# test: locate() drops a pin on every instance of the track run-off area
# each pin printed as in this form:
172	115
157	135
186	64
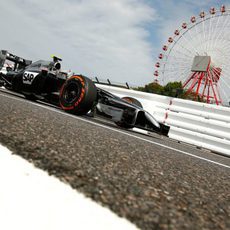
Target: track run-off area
153	181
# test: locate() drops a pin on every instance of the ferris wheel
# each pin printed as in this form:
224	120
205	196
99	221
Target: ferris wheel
198	55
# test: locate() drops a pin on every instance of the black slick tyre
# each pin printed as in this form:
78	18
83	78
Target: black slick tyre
78	95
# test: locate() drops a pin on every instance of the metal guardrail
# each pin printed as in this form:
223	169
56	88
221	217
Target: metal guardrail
96	80
203	125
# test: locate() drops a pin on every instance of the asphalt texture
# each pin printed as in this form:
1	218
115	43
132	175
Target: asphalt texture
152	186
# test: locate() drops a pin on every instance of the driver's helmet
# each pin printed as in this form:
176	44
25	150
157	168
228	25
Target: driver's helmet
56	58
56	61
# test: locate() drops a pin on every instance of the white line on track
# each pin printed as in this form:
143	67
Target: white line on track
32	199
119	131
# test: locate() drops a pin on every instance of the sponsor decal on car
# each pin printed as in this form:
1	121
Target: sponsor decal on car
28	77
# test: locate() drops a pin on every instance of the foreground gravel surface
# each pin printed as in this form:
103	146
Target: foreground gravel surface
153	187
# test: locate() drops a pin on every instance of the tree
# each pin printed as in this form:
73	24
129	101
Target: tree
152	87
172	89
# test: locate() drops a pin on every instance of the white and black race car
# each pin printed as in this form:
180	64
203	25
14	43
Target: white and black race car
76	94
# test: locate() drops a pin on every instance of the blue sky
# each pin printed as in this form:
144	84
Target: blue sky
116	39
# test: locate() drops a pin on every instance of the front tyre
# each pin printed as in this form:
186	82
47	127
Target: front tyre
78	95
132	101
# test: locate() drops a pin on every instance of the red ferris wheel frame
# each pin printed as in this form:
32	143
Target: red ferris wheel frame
201	83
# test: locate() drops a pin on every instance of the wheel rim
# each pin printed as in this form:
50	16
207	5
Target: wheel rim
71	93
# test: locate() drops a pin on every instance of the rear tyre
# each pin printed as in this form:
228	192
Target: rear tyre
78	95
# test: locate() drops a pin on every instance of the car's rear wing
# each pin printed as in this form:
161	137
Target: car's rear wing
10	61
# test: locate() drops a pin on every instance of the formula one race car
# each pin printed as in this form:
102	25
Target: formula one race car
77	94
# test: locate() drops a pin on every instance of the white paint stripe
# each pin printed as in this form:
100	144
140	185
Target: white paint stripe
125	133
31	199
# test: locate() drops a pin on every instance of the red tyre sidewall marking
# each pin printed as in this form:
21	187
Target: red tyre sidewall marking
81	96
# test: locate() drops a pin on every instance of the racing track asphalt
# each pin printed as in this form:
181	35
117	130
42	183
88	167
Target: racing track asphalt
153	181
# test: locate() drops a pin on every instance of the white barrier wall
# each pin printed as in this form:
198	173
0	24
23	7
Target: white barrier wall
204	125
